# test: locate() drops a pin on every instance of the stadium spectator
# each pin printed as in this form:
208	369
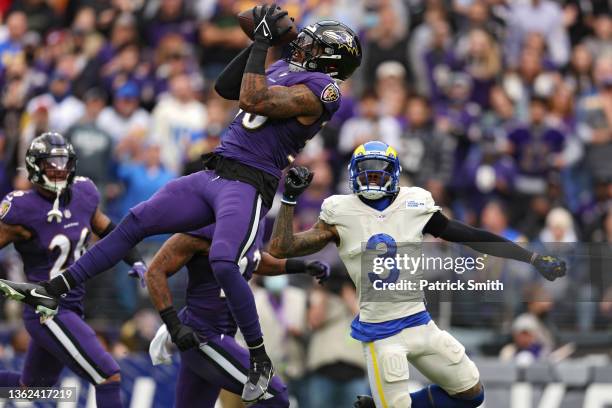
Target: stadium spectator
93	146
579	75
439	61
41	17
595	122
282	308
391	88
124	31
541	16
526	346
386	25
601	42
482	62
221	39
125	66
142	174
367	125
421	40
178	120
217	117
64	108
174	57
535	147
17	26
426	153
171	16
494	219
125	117
334	359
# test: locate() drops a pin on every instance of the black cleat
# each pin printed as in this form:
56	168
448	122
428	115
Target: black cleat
258	379
30	294
364	401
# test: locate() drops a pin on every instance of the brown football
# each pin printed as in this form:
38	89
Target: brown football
245	19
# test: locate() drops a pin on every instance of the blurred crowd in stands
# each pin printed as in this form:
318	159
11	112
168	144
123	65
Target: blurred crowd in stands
501	108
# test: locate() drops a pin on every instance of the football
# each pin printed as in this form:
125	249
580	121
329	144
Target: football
245	19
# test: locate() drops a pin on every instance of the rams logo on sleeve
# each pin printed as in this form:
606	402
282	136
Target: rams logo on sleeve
330	93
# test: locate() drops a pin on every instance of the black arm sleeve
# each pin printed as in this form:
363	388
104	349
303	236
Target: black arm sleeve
480	240
133	256
228	82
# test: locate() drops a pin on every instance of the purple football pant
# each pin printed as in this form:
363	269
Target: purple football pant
186	204
219	363
66	340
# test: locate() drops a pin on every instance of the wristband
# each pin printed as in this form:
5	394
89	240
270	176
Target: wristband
256	64
170	318
293	266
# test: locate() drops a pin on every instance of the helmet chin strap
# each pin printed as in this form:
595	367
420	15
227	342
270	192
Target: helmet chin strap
55	212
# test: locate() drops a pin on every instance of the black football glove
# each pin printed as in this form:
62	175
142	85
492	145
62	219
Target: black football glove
550	267
264	23
319	270
296	181
183	336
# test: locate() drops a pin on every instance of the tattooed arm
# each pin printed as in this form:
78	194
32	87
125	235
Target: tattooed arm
284	243
278	101
171	257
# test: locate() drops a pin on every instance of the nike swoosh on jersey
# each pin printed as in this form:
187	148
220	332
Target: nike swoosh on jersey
38	295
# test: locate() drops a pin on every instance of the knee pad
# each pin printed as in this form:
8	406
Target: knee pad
401	400
394	366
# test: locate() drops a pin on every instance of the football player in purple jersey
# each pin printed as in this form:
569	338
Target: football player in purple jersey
281	109
50	226
204	331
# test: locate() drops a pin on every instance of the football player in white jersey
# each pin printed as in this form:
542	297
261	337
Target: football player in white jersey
395	333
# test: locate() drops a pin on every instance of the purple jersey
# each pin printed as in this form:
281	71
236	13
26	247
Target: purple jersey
533	147
53	246
206	308
266	143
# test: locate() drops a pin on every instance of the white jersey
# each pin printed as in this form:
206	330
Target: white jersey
359	226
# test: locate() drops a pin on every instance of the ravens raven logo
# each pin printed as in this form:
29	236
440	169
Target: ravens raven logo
331	93
342	38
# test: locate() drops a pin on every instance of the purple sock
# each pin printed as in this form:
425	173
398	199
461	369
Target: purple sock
239	298
108	395
107	252
10	379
